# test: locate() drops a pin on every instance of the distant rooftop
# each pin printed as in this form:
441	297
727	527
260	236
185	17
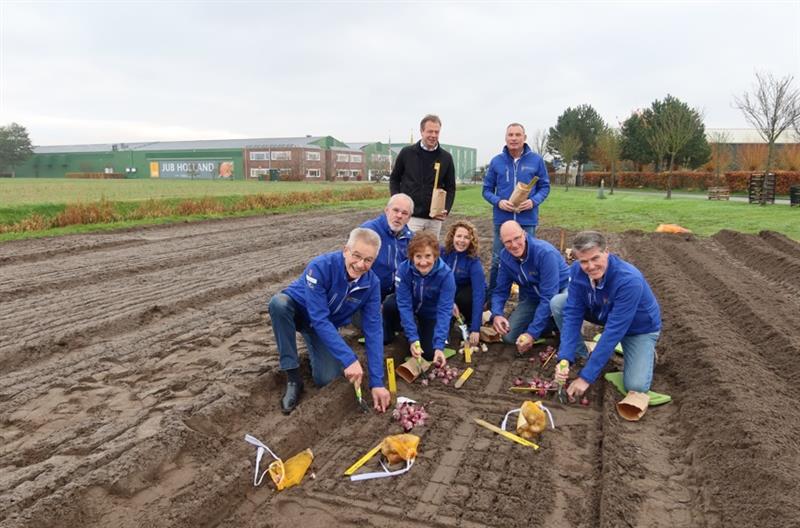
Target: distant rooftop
749	135
203	144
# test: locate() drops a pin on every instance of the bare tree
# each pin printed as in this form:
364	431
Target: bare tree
539	141
721	155
773	107
670	127
568	147
609	142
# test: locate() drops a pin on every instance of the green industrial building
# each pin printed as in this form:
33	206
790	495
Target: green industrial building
228	159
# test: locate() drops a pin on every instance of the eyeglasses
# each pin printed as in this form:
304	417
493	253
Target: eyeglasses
359	258
515	240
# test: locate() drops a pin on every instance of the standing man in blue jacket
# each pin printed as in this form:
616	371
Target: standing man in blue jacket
332	288
392	227
541	273
414	173
517	163
606	290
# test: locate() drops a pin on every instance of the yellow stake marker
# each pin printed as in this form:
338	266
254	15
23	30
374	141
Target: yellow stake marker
467	373
363	460
467	353
392	379
506	434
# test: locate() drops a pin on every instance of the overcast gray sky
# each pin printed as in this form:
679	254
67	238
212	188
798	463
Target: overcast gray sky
97	72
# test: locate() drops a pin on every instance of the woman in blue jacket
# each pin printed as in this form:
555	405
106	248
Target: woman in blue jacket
461	254
425	290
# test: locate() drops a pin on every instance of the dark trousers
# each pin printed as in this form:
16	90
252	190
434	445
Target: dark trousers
464	302
392	324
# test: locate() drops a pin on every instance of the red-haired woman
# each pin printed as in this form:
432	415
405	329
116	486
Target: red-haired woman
423	301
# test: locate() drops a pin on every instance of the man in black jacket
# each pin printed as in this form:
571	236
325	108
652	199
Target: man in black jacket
414	173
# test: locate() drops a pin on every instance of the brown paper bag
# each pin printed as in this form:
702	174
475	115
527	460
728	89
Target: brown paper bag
437	202
521	192
412	369
633	406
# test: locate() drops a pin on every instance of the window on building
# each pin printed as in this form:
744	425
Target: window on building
255	173
312	173
312	156
258	156
380	158
286	172
355	158
355	173
343	174
281	155
342	158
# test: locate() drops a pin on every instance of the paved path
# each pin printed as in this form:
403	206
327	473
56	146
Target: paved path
696	196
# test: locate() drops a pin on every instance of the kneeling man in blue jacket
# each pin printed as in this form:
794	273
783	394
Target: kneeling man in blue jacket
332	288
541	273
606	290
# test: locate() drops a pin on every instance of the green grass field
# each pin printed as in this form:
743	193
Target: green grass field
573	209
37	191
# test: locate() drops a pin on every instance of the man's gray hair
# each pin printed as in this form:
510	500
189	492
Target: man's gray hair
586	240
433	118
516	124
400	195
367	236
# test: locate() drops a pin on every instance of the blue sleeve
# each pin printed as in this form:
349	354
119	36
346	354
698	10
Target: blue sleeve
549	279
572	321
626	299
372	325
402	289
444	311
478	282
502	290
489	184
319	316
542	187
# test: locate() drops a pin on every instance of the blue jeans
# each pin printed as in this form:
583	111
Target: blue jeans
520	318
497	247
287	320
638	351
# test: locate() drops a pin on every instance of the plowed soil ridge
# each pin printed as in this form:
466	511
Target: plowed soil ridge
729	348
132	364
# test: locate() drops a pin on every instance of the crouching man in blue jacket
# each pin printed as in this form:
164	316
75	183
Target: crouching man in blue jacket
606	290
392	227
332	288
541	273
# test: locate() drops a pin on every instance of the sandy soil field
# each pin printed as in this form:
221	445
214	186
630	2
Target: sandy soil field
133	363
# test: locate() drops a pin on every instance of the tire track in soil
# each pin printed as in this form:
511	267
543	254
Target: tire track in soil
133	300
43	249
12	395
781	243
735	424
775	265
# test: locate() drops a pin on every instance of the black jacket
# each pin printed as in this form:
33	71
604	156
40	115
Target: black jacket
410	177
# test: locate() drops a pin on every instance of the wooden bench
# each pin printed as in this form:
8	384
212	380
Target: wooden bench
719	193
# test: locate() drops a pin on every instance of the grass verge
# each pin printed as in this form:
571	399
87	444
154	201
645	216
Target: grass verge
575	209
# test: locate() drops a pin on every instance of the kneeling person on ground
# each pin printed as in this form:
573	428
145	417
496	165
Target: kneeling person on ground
461	253
606	290
541	273
332	288
423	300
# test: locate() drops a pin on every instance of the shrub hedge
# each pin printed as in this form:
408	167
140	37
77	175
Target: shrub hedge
689	180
